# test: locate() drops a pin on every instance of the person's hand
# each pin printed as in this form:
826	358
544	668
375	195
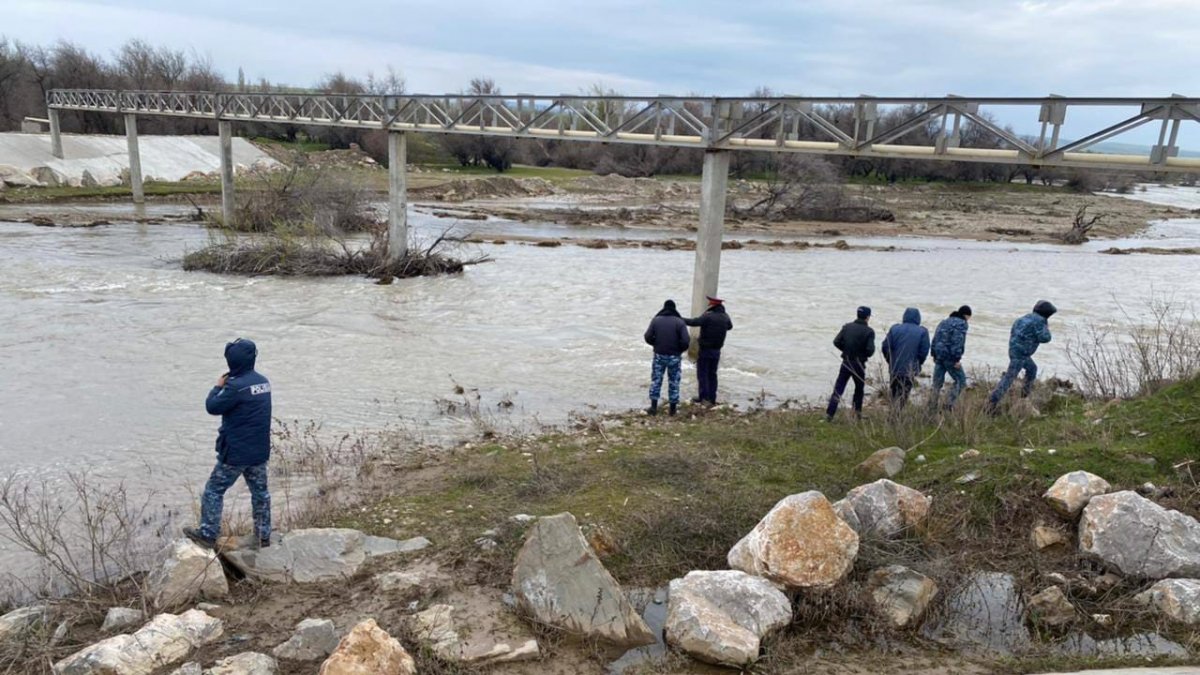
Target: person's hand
957	365
221	380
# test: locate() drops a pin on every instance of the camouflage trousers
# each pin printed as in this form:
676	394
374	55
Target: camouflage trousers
212	503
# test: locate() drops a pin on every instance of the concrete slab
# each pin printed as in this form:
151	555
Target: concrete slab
105	158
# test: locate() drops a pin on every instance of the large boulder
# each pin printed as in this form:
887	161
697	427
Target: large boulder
558	581
479	640
985	615
313	639
722	617
883	463
800	543
368	650
14	177
246	663
20	621
183	572
119	619
1139	538
167	639
1177	599
883	509
316	555
900	594
1072	491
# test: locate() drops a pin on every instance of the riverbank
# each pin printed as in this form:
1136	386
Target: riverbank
658	497
983	212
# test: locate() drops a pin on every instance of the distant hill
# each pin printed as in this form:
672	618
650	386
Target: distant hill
1134	149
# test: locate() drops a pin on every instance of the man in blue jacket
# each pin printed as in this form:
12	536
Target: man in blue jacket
1028	333
949	345
905	348
668	334
242	398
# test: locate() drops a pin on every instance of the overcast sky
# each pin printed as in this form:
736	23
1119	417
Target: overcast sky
812	47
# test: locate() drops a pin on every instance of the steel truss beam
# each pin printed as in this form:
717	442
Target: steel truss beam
867	127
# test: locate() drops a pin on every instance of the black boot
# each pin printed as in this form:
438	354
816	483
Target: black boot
674	407
653	409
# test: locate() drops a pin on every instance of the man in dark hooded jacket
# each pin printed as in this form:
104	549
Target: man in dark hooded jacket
714	323
242	397
856	342
1028	333
668	334
949	345
905	349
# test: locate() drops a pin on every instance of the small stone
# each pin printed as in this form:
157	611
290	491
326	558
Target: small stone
118	619
523	518
1103	619
1044	537
883	463
207	606
20	621
420	580
1056	578
465	642
1028	451
246	663
920	459
969	454
1072	491
969	477
901	594
1107	582
189	668
313	639
368	650
1051	608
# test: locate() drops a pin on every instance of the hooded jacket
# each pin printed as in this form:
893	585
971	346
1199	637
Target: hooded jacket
1030	331
856	341
714	323
244	404
950	340
668	333
906	345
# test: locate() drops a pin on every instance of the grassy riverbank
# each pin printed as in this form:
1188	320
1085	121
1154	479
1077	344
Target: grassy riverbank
660	496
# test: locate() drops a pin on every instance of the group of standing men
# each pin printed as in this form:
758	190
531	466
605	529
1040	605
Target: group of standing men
906	347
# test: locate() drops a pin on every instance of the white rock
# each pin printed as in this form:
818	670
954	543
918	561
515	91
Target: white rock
166	640
883	509
20	621
721	617
1139	538
900	594
368	650
558	581
305	556
419	580
1177	599
119	619
189	668
800	543
458	642
313	639
382	546
1072	491
184	571
246	663
1051	608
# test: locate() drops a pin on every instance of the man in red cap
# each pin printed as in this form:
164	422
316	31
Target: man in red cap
714	323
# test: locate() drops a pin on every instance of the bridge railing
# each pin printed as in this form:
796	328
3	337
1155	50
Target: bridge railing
939	128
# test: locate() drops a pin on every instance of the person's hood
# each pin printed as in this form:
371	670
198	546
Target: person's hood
668	309
912	315
1045	309
240	355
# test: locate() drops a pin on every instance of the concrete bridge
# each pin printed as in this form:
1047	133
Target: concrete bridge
865	127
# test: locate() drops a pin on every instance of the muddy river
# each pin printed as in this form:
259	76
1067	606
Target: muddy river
108	348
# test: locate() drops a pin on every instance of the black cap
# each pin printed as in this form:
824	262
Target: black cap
965	310
670	304
864	312
1045	308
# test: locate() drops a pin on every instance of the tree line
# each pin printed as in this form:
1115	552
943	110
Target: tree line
28	71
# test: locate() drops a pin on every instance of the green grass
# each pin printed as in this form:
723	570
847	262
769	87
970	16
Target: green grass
152	189
550	173
296	146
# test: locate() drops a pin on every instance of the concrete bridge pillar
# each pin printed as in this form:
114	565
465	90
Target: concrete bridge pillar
397	196
225	130
713	186
135	159
55	134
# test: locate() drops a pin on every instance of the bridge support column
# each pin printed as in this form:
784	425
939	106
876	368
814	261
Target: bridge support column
135	159
397	196
713	186
55	134
225	130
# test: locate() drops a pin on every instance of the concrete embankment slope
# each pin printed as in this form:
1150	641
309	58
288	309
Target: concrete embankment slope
1178	670
25	159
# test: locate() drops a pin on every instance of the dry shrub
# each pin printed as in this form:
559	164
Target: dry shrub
301	194
1137	358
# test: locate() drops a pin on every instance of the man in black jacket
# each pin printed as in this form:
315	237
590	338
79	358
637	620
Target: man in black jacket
714	323
856	342
668	335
